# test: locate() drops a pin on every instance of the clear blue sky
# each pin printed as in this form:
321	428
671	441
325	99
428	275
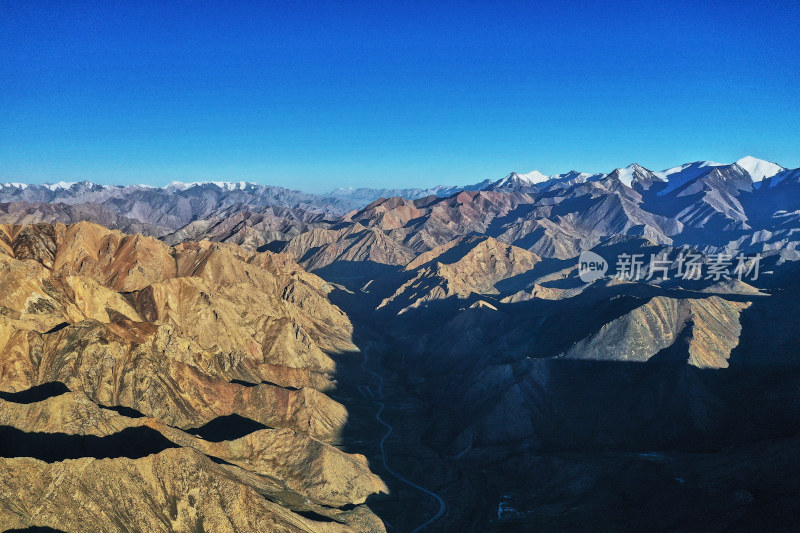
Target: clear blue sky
317	95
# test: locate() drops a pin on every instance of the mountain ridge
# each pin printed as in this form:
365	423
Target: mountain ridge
349	198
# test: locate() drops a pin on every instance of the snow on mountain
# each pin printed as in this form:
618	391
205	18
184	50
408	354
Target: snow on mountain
224	185
680	175
626	175
59	185
629	174
676	177
178	185
780	177
758	168
517	182
635	174
516	179
573	177
533	177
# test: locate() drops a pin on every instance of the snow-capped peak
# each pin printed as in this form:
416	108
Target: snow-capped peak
59	185
692	169
533	177
515	178
515	181
682	174
224	185
628	174
574	174
758	168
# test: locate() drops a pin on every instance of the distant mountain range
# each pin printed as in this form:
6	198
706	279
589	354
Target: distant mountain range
344	199
750	204
536	181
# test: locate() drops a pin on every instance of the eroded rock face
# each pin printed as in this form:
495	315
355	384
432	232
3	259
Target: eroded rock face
711	327
249	226
465	266
175	490
320	248
294	460
183	337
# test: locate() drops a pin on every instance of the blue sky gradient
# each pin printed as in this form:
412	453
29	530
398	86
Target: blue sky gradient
316	95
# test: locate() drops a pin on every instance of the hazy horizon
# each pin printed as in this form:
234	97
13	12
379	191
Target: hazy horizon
463	183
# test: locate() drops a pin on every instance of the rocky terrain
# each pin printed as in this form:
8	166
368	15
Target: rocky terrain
234	357
179	388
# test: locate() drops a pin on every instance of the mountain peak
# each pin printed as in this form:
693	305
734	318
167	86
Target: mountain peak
516	181
627	175
59	185
683	174
534	177
531	178
224	185
759	168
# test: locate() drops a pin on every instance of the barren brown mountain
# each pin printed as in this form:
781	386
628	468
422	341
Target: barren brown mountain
156	343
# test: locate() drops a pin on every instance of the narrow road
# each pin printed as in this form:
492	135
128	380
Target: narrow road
379	396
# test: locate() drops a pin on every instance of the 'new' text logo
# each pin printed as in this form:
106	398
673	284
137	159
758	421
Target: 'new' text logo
591	267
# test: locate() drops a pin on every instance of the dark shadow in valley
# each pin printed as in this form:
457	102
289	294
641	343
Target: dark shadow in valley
57	328
316	517
37	393
230	427
132	443
354	274
771	325
130	412
404	507
252	384
273	246
570	444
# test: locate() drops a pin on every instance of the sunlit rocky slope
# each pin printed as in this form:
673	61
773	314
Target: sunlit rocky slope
196	379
